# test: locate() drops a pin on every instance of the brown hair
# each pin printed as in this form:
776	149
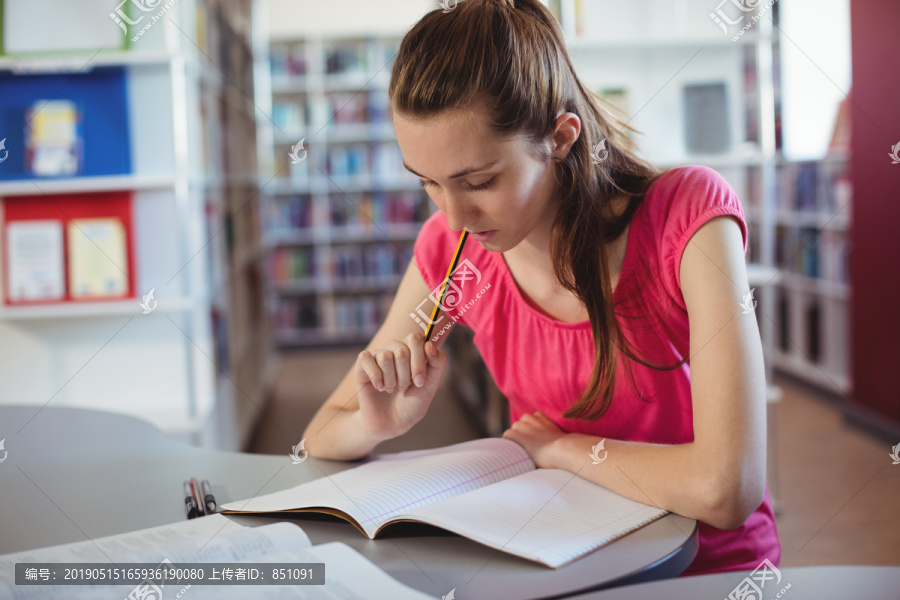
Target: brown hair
510	56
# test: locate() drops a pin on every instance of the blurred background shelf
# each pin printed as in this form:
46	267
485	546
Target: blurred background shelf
190	189
339	225
82	61
71	310
67	185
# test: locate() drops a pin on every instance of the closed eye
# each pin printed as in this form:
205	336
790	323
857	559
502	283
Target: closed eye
473	188
483	186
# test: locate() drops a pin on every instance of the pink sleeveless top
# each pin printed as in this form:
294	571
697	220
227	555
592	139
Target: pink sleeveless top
540	363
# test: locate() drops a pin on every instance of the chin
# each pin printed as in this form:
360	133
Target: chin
498	245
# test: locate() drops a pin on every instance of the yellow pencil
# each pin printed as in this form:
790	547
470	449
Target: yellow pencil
459	248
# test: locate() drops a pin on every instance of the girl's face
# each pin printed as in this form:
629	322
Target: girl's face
482	184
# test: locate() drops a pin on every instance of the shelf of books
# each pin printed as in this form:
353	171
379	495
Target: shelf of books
127	187
340	213
812	247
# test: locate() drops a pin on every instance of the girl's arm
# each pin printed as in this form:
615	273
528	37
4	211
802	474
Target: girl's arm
336	431
719	478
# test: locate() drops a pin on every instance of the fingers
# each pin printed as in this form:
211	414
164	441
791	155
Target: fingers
367	370
401	377
418	359
385	360
399	365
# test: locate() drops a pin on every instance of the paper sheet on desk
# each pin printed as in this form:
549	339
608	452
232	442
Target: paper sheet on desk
348	576
214	538
220	539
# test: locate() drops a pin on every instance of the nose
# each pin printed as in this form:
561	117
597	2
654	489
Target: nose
459	215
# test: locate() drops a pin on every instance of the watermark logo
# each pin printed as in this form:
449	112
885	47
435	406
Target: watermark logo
895	455
595	452
121	18
895	153
146	591
6	152
724	20
296	159
295	452
5	452
149	303
751	588
749	304
452	594
449	6
149	589
455	282
600	153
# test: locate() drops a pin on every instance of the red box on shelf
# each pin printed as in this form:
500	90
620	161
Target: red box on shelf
65	208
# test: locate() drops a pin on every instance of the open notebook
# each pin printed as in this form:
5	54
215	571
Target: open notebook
218	539
487	490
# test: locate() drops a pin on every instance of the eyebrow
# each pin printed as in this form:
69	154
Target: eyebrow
462	173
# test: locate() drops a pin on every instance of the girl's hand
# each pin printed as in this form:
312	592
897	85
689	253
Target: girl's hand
536	433
390	402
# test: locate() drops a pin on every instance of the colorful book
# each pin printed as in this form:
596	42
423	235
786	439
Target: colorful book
53	145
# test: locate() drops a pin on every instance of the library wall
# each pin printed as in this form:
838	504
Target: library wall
875	211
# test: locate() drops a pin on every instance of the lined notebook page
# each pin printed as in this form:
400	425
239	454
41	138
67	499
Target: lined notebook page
548	515
397	483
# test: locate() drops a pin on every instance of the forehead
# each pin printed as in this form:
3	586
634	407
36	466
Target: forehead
447	143
462	123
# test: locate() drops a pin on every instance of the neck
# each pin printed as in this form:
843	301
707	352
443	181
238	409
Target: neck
534	249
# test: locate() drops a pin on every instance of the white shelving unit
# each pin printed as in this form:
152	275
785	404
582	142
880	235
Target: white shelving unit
169	366
69	185
814	293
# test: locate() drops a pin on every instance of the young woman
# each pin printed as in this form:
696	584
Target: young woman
605	295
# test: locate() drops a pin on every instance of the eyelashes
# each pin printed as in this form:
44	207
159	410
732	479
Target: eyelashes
483	186
472	188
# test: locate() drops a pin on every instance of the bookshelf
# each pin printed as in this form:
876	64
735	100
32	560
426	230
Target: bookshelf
339	225
191	364
812	247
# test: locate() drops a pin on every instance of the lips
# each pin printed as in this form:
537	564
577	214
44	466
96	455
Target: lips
483	236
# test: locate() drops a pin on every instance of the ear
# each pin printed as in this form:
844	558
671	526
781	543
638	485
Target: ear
566	131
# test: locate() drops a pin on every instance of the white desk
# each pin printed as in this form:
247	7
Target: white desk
74	474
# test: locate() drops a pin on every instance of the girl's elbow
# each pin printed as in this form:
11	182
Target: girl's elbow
733	504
